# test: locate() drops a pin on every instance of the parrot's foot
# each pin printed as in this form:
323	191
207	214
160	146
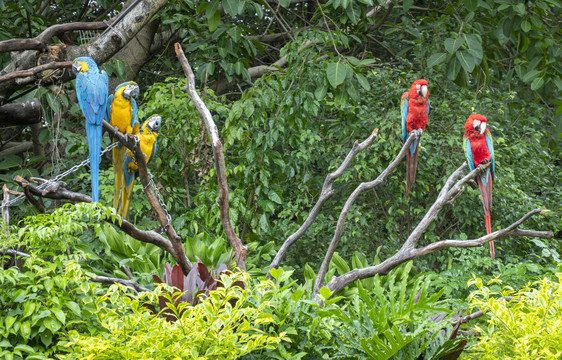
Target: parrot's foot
418	132
115	129
481	167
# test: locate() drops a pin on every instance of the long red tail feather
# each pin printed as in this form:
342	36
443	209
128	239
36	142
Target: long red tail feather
411	166
486	193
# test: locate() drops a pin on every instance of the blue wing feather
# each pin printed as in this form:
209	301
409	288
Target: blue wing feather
428	108
404	110
134	110
468	153
490	145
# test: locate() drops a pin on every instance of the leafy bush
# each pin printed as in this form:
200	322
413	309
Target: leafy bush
42	301
216	328
397	318
527	325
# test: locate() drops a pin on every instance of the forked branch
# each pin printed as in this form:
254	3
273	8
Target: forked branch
325	195
239	248
343	215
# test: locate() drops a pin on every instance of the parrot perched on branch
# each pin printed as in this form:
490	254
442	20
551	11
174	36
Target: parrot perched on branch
148	147
415	108
122	114
479	150
91	91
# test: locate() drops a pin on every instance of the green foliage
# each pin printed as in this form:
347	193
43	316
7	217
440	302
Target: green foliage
528	325
393	319
42	301
57	230
216	328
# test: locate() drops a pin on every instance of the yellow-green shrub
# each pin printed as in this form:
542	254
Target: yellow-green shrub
216	328
527	326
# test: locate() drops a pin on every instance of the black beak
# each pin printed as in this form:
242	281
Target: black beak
477	128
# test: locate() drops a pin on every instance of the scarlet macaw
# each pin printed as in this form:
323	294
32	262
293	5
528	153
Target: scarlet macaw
415	109
91	91
479	150
148	147
122	113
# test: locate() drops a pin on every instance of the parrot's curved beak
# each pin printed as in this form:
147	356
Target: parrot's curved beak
482	128
131	91
76	67
423	91
154	123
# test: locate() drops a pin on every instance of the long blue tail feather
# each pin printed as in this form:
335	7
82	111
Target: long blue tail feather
94	133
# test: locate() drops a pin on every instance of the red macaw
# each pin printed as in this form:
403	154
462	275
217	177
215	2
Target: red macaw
479	150
415	108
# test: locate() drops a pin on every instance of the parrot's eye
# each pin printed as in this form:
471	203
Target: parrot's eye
417	86
476	123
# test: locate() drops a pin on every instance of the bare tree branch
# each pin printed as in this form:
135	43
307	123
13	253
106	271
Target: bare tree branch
111	281
240	250
325	194
23	113
176	242
40	41
58	191
343	215
404	254
14	253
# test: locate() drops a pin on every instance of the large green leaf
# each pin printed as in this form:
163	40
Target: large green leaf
436	59
466	60
452	45
232	7
474	47
336	73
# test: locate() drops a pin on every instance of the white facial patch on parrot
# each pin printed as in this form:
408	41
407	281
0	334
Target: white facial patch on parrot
476	123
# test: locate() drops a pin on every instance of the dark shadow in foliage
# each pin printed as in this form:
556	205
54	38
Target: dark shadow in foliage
191	288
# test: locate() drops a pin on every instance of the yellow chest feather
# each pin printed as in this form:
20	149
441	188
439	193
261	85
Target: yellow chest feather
121	114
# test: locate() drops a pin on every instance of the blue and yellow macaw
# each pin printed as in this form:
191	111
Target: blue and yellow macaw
148	147
479	149
414	105
122	113
91	91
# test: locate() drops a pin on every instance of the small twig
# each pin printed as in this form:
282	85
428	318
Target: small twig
14	253
325	195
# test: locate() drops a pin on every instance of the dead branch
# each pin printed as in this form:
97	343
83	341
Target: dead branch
35	70
240	250
40	41
408	250
109	280
131	144
14	253
59	192
343	215
325	194
24	113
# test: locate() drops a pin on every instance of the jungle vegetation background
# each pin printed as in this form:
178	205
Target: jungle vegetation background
291	86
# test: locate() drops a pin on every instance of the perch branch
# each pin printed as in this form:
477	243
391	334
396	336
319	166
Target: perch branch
40	41
325	194
240	250
23	113
406	253
343	215
131	144
111	281
35	70
14	253
58	191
